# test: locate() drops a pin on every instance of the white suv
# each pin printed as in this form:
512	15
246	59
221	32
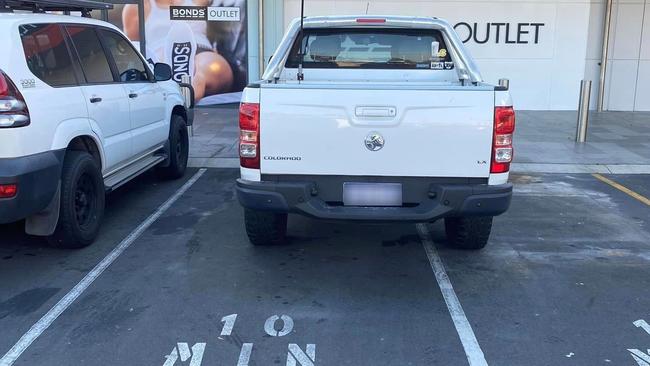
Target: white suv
81	113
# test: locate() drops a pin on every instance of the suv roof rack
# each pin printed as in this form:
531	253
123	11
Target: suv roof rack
41	6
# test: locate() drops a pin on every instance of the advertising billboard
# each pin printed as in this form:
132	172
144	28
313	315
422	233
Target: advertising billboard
205	39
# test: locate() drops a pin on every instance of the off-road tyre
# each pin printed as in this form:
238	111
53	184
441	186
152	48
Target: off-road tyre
82	202
265	228
469	233
179	148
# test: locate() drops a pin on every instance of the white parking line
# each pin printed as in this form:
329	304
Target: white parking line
463	328
40	326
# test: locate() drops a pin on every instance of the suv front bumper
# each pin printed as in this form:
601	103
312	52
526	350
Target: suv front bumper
37	177
426	199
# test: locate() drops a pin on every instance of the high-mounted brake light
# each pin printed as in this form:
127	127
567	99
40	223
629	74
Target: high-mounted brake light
371	20
502	151
13	109
8	190
249	135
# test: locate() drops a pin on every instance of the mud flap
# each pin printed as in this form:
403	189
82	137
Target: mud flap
44	223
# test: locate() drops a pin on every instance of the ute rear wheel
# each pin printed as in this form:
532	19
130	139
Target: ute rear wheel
265	228
470	233
82	202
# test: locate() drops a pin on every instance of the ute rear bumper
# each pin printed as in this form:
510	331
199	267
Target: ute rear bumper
425	199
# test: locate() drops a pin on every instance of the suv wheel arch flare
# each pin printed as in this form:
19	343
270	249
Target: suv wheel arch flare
13	109
249	135
502	151
88	144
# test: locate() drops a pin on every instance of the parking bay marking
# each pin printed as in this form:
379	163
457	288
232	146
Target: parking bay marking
623	189
295	354
472	349
42	324
641	358
643	325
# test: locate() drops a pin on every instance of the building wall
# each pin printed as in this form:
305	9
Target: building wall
544	67
548	61
628	66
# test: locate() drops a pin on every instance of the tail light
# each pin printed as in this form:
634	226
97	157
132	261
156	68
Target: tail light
13	109
502	152
8	190
249	135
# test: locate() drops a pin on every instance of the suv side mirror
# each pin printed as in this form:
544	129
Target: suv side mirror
162	72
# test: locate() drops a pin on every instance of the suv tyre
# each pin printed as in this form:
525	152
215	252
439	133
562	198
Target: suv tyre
470	233
265	228
82	202
179	146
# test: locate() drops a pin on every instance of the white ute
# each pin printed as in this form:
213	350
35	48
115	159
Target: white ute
375	118
81	113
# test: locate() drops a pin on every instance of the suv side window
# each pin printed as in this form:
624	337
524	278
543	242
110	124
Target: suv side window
47	55
91	54
130	66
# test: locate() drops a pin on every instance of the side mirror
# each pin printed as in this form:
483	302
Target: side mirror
162	72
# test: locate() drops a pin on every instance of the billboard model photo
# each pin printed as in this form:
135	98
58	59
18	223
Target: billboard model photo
205	39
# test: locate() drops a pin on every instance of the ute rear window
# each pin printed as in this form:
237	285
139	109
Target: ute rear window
353	48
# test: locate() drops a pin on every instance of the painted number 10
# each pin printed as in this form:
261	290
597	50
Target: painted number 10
269	326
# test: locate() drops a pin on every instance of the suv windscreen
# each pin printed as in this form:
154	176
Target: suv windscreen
130	66
47	54
372	49
91	54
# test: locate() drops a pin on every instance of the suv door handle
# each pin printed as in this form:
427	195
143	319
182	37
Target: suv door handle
95	100
133	95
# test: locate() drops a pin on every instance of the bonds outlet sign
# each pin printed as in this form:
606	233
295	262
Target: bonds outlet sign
212	13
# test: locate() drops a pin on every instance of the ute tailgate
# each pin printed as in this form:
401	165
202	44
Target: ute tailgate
429	132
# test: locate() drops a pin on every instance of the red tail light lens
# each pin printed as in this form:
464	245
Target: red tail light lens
8	190
502	151
249	135
13	109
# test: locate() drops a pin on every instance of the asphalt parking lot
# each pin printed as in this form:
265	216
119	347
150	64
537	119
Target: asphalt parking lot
565	280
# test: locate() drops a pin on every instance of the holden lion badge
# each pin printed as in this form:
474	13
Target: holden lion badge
374	141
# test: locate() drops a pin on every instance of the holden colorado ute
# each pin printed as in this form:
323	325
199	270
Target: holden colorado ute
375	119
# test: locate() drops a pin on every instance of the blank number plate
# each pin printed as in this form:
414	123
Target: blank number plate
372	194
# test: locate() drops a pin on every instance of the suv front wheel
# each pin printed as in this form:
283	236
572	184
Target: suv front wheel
179	146
82	202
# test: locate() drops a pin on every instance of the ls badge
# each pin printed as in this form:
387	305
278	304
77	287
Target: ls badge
374	141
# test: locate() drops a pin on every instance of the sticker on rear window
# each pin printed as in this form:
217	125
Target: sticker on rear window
449	65
437	65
